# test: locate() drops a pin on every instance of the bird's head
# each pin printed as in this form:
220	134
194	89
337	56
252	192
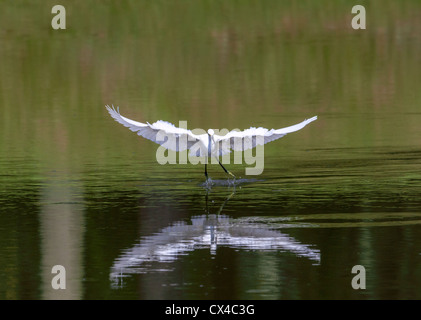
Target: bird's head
211	132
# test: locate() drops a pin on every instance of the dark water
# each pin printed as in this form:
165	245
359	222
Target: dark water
79	190
295	232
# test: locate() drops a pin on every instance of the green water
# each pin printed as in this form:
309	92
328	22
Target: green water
79	190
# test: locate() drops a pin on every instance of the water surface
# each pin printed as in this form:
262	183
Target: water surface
79	190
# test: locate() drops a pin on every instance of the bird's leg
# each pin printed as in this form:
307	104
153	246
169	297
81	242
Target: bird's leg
206	171
226	171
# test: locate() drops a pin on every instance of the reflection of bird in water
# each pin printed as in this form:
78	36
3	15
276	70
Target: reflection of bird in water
157	251
223	204
213	239
208	144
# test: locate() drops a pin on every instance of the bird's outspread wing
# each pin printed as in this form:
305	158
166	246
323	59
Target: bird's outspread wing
250	138
160	132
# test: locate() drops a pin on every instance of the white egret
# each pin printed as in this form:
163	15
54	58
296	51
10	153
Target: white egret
208	144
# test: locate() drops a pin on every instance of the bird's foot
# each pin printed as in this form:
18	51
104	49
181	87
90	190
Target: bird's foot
231	174
208	183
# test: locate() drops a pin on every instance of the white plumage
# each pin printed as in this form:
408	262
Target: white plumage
206	144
